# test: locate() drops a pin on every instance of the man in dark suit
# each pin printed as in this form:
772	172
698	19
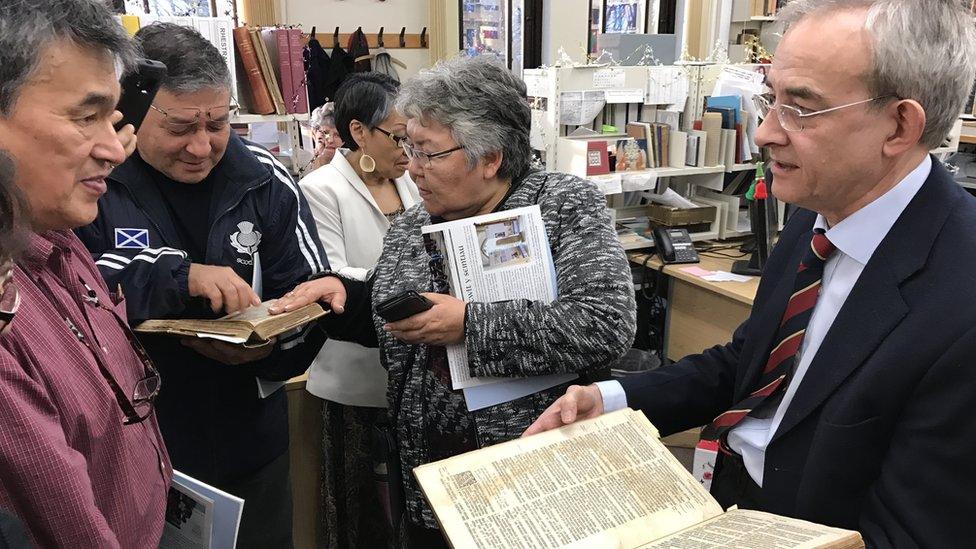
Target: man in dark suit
847	397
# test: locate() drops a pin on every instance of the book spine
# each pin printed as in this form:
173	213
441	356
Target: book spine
222	28
284	70
267	71
296	47
261	98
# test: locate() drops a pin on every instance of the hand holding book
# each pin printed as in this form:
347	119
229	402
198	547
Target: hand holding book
577	404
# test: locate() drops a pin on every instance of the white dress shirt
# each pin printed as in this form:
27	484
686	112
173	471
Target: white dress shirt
856	239
351	228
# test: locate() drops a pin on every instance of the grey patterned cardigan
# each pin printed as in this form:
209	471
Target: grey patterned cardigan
590	325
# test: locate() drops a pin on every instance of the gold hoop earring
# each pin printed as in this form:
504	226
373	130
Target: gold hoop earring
367	163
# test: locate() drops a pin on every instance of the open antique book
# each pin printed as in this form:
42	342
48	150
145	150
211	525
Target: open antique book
252	325
605	482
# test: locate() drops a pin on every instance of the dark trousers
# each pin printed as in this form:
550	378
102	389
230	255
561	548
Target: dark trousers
421	537
266	521
732	484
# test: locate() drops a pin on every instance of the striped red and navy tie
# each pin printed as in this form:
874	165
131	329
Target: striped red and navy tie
781	364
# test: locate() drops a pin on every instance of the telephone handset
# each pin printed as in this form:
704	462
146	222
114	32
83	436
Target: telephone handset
674	245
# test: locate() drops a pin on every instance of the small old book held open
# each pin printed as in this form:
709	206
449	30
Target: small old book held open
605	482
253	325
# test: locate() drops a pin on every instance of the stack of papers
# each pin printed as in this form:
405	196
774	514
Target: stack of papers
715	276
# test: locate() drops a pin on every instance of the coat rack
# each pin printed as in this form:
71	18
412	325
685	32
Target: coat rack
403	40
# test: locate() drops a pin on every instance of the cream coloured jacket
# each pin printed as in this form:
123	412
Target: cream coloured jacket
351	228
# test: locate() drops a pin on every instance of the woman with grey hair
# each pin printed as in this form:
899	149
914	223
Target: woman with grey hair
323	126
469	154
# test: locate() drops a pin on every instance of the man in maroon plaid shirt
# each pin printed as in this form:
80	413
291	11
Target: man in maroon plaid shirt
82	462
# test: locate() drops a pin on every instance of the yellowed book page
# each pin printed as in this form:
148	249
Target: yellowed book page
606	482
267	325
237	327
742	529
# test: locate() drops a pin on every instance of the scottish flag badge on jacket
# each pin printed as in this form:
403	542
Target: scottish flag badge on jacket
131	238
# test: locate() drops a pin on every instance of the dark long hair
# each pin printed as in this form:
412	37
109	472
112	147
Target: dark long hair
13	235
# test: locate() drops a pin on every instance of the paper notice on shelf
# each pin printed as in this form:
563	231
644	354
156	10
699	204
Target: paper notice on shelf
744	83
625	95
609	78
731	74
536	82
537	139
580	107
667	86
639	181
673	199
609	184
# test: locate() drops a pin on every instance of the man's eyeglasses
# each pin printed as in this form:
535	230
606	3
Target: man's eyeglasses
791	117
425	158
9	300
183	120
398	139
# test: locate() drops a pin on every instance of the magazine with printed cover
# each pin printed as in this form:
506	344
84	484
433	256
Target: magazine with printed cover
500	256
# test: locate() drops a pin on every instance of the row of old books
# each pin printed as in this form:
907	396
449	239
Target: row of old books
217	30
271	58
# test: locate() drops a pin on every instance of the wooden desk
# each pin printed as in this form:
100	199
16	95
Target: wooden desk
305	449
700	313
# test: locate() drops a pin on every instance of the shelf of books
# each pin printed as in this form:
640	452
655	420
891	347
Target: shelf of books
248	118
652	134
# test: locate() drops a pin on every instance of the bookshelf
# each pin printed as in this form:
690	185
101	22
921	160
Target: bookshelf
561	149
248	118
289	124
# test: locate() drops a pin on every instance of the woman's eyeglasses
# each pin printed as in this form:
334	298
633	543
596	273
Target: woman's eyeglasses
425	158
397	139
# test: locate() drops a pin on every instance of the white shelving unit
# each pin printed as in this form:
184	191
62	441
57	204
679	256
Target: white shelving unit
292	129
550	139
549	136
247	118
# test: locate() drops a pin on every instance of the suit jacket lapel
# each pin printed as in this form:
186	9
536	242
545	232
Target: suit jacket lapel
875	305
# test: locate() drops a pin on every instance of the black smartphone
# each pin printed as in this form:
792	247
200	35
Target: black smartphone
139	88
403	305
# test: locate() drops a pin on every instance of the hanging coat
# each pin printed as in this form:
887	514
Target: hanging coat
358	48
317	65
383	63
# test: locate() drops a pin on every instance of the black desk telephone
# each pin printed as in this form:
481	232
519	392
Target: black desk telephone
674	245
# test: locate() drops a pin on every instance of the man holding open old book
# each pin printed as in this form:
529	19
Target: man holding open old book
846	397
196	224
